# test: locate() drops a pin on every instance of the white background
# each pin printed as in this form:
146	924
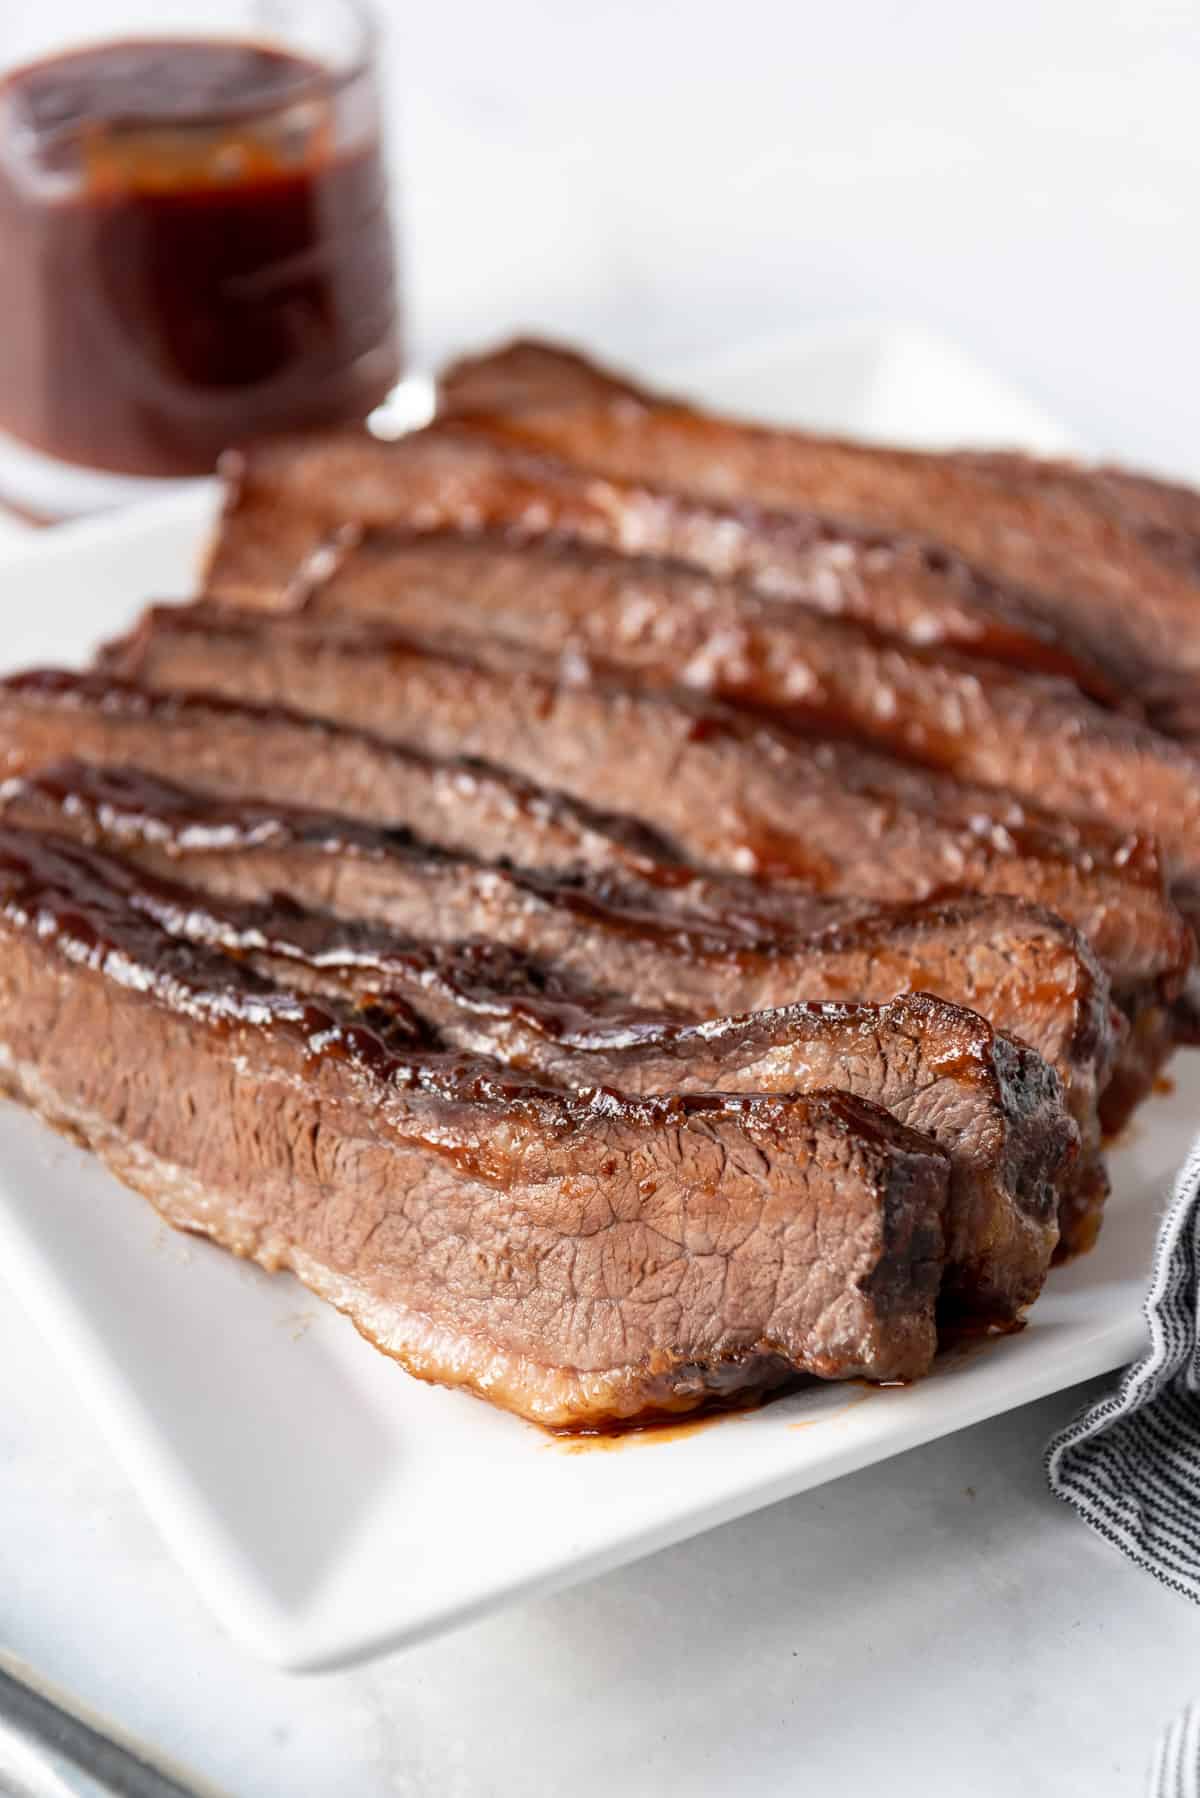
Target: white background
667	178
1024	177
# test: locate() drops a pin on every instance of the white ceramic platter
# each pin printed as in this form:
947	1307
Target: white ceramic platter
326	1505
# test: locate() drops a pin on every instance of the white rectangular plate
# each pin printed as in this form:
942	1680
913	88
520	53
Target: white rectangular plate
326	1505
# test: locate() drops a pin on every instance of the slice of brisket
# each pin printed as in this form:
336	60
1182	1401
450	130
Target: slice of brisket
1164	514
991	1102
462	803
734	794
275	753
1019	968
291	502
579	1259
1069	548
672	625
534	375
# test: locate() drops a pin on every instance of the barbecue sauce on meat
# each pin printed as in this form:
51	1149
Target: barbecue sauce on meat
195	248
87	906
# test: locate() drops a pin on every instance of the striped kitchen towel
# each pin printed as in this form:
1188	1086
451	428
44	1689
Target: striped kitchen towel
1130	1464
1176	1769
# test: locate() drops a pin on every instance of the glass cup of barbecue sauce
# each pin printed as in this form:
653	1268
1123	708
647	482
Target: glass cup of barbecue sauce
195	244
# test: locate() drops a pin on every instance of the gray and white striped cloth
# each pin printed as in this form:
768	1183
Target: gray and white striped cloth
1176	1769
1130	1463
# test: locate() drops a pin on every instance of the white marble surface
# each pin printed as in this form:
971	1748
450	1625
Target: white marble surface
936	1625
668	178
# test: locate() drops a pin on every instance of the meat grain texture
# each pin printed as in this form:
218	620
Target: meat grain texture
632	906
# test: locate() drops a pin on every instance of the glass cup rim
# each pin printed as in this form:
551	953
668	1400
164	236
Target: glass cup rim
323	81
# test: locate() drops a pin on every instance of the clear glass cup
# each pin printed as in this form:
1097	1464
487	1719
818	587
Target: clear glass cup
195	241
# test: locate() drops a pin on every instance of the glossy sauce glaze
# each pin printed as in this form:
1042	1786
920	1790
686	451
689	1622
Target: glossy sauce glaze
376	966
470	474
93	909
563	829
129	806
999	823
194	248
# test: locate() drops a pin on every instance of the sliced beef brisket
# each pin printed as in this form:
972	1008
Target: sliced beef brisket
241	750
672	625
1073	551
991	1102
291	505
580	1260
733	793
633	907
1015	966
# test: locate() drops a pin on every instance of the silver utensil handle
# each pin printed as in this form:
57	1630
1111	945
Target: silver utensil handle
55	1748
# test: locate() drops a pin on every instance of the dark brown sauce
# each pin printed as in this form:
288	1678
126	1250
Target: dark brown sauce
653	1432
195	248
